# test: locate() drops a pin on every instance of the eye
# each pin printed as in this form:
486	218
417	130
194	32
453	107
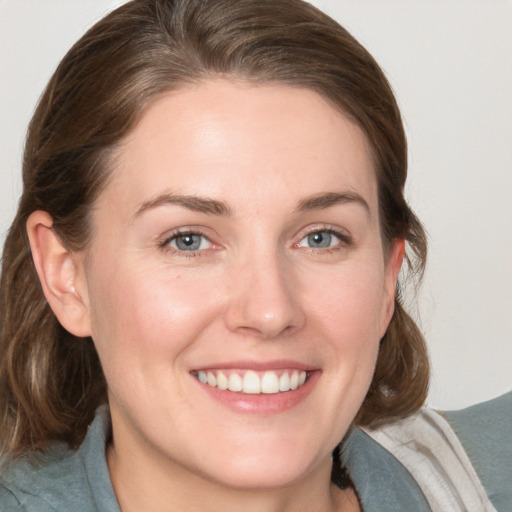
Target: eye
323	239
188	242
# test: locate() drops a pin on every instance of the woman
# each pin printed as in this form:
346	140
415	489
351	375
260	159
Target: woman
205	257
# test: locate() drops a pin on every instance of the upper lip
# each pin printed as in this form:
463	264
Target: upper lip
277	364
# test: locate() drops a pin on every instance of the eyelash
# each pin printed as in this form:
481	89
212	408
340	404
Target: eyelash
345	240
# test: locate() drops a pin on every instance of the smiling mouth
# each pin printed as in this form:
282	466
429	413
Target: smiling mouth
253	382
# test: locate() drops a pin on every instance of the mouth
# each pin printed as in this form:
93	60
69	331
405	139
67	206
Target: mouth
251	382
256	387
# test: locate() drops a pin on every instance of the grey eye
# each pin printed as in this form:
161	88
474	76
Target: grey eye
189	242
320	240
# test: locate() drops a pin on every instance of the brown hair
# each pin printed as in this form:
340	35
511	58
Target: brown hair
50	381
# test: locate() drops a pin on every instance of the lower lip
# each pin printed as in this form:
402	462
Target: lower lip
263	404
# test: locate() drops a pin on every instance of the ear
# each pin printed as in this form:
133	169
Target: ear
393	264
61	274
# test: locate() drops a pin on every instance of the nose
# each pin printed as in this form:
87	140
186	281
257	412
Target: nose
264	299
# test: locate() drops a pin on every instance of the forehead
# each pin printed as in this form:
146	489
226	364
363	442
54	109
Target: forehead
236	140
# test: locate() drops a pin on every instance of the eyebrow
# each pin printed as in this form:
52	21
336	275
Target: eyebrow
191	202
215	207
328	199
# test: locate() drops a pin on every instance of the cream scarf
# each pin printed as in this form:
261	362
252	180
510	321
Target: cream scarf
429	449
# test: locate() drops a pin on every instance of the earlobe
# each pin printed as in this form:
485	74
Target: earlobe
396	257
60	272
393	265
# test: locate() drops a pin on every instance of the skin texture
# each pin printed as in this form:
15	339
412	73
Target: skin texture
255	294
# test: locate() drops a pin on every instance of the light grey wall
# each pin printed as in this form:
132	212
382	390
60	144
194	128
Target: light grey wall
450	63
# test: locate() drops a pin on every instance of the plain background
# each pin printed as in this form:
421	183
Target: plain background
450	64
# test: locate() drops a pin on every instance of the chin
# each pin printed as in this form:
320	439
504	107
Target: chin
267	464
258	474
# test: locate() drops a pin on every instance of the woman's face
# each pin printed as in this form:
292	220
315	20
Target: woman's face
238	243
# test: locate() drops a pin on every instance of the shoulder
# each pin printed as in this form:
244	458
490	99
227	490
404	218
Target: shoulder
486	422
382	483
485	432
62	480
42	484
9	501
449	459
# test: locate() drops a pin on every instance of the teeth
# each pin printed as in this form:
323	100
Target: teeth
235	382
284	382
269	383
211	379
252	383
222	381
294	380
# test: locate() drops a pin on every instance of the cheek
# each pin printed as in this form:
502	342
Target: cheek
346	309
350	300
142	317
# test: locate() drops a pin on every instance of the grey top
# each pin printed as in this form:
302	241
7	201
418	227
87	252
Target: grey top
69	481
63	480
